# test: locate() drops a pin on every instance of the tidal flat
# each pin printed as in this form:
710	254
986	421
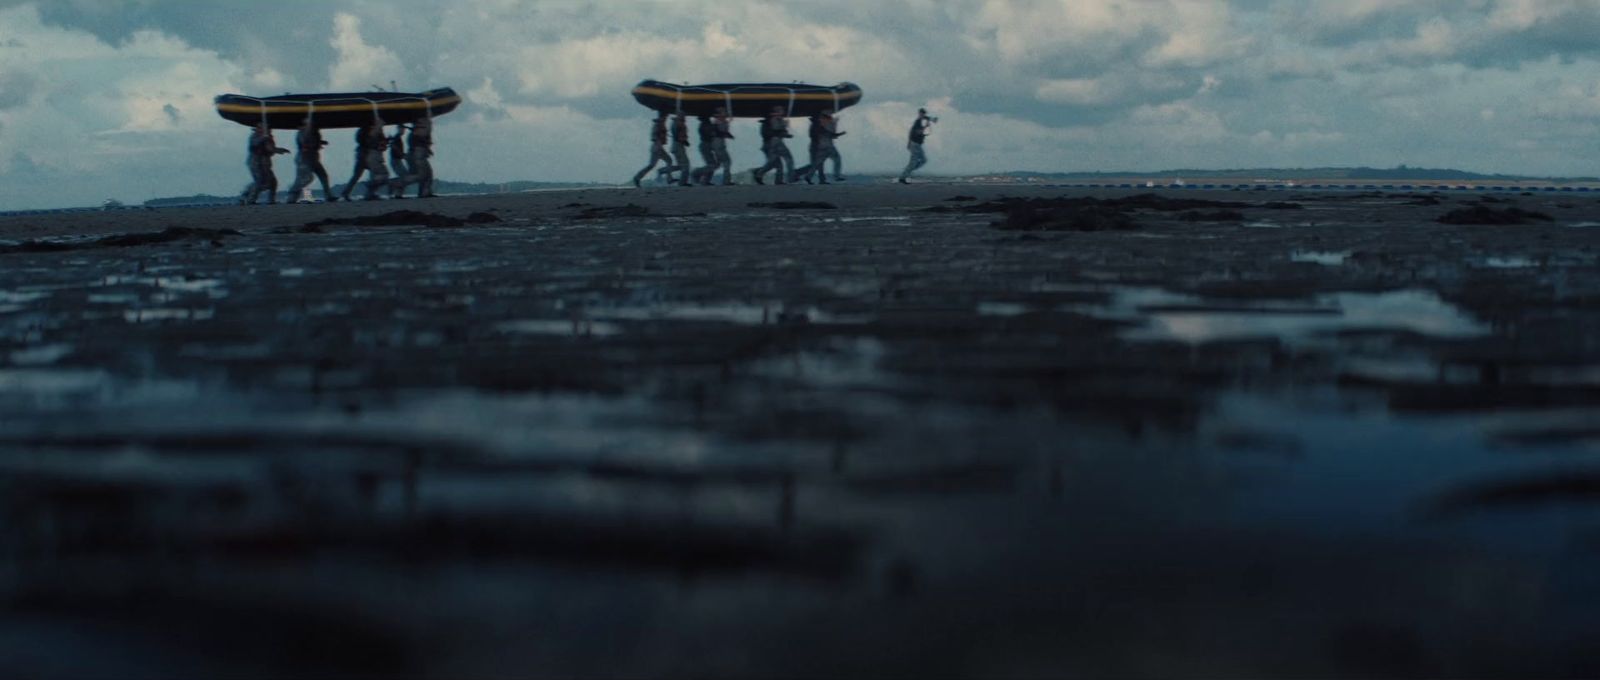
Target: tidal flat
945	430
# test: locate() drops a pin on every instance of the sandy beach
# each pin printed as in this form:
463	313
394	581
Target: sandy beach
732	432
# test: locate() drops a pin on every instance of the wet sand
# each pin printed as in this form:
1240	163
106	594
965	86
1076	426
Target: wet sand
1332	437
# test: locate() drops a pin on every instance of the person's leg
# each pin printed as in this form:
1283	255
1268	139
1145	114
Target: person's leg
253	189
401	177
422	164
655	157
760	171
303	175
804	172
377	174
355	175
787	169
724	161
669	165
685	168
321	174
838	163
917	160
708	154
272	180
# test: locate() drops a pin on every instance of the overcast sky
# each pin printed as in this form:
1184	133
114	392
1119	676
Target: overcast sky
103	98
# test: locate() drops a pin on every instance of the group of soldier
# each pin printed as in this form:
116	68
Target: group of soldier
715	131
409	159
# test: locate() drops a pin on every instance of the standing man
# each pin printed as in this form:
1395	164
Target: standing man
708	151
680	147
658	148
259	159
919	133
308	143
775	129
724	127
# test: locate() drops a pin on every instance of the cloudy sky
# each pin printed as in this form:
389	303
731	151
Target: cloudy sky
103	98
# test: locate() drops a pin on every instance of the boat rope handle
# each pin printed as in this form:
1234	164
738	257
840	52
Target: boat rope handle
263	103
791	102
311	111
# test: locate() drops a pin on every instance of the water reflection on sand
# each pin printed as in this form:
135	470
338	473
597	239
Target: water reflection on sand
843	445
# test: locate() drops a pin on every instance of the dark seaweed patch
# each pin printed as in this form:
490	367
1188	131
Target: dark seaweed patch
1484	215
1084	218
1212	216
612	212
398	218
1554	488
168	235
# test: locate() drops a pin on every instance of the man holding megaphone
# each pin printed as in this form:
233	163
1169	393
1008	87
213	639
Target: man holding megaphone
919	133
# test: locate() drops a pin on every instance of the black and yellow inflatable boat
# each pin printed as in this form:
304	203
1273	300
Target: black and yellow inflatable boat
338	110
746	100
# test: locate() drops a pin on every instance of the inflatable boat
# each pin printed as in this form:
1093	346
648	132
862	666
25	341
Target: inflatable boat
746	100
339	110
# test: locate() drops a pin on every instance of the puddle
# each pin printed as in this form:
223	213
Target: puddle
1002	309
1329	259
1367	471
851	220
33	381
734	313
167	314
559	327
1263	225
1417	311
293	273
1561	377
8	297
1509	263
113	298
227	352
1412	370
189	285
41	356
1584	225
842	363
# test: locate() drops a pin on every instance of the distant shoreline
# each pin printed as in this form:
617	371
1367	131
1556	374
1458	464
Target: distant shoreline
1217	180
